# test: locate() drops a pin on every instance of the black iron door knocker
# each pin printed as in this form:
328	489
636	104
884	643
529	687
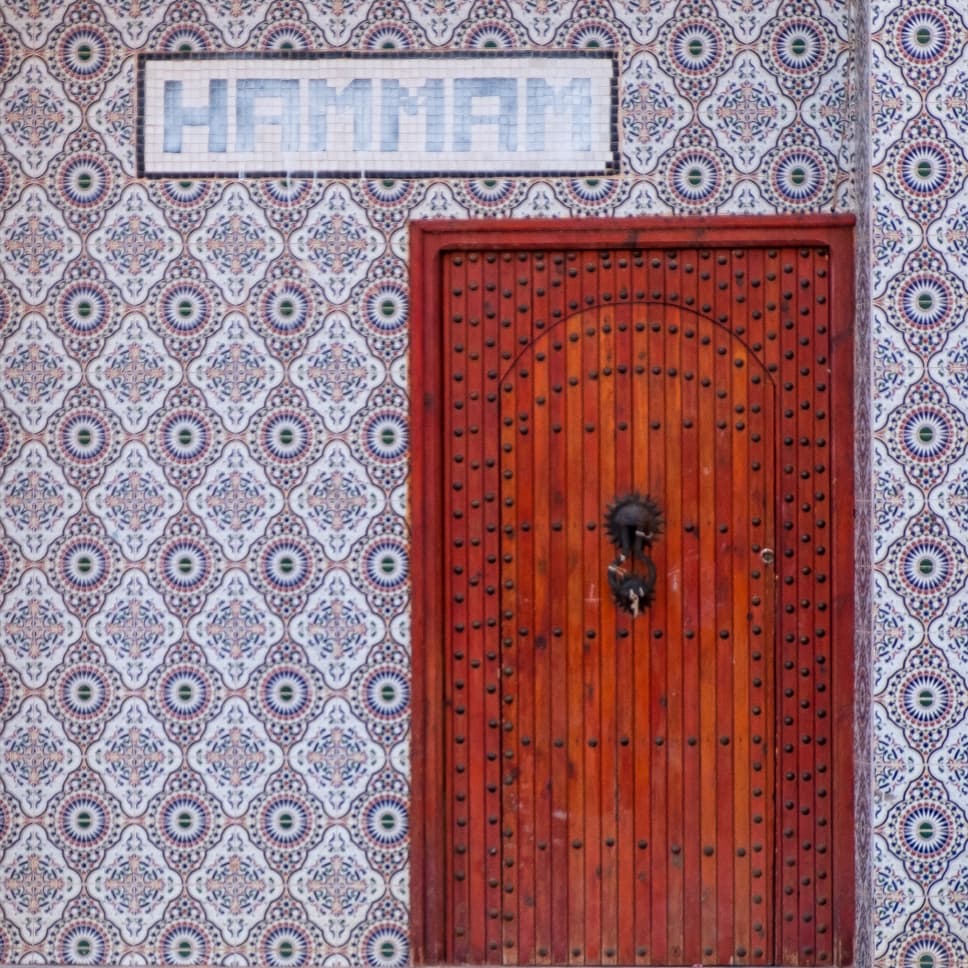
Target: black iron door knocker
632	521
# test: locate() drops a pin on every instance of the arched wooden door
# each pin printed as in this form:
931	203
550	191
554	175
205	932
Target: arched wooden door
616	789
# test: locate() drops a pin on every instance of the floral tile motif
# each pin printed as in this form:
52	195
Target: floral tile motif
235	757
36	372
37	884
235	244
35	629
37	244
37	501
337	500
338	241
134	629
37	756
134	500
134	756
135	243
236	371
337	629
895	895
235	501
235	885
235	629
747	108
35	116
337	372
337	886
337	757
134	885
113	115
134	372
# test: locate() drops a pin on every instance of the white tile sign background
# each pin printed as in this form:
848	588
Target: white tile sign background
378	114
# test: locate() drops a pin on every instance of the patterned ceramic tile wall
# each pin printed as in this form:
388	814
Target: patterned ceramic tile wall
203	457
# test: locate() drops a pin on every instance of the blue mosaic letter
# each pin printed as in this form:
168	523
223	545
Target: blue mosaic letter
466	89
395	98
285	93
214	116
357	97
573	101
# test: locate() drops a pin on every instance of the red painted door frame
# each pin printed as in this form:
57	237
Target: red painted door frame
430	241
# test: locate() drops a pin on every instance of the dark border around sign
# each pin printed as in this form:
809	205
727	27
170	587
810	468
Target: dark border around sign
610	169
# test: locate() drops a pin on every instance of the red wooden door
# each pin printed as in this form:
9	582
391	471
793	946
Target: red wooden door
618	789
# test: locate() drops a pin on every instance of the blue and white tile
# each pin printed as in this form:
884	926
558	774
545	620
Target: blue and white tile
235	629
235	244
236	371
37	884
37	630
235	757
134	886
234	885
134	500
134	372
134	629
37	756
134	756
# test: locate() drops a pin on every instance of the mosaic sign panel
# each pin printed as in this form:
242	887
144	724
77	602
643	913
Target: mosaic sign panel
382	114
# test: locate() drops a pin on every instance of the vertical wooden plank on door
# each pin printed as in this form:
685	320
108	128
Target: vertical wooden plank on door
500	344
808	561
650	703
610	788
647	817
531	667
757	463
763	753
560	631
685	528
668	557
474	674
574	608
619	356
502	904
719	848
787	806
589	546
743	509
461	906
708	612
